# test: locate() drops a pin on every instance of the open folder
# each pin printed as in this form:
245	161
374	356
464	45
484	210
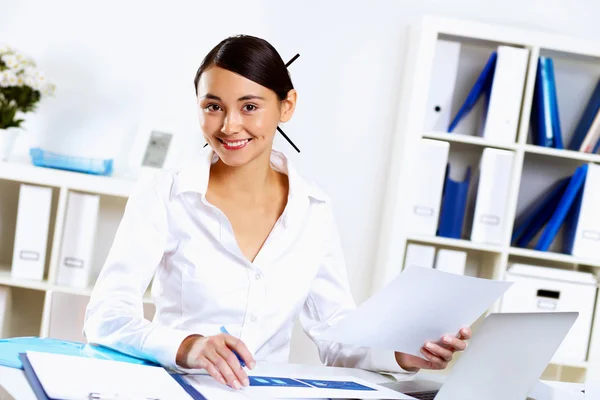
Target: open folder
57	376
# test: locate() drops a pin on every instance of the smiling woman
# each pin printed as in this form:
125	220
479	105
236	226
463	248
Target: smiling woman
244	91
236	241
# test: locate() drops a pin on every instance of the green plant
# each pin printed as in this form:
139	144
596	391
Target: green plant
22	86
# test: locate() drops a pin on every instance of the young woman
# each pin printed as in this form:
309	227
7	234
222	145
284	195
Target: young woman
234	239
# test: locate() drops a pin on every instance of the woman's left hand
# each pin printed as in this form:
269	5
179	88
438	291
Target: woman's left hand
437	354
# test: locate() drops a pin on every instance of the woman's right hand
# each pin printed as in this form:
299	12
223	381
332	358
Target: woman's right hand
215	355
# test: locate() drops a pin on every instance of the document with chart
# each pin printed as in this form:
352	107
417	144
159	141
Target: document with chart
290	387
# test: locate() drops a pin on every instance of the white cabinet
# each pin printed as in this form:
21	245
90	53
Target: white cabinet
539	289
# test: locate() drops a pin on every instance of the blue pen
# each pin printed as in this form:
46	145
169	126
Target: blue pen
242	363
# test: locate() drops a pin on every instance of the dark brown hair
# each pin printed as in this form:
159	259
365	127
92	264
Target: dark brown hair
253	58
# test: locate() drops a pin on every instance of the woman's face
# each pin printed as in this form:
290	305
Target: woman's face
239	117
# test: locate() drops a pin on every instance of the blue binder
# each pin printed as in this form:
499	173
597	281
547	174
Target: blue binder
454	203
542	120
555	116
482	85
11	348
571	224
532	220
586	119
564	205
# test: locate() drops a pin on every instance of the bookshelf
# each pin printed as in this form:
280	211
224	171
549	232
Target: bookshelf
29	313
577	68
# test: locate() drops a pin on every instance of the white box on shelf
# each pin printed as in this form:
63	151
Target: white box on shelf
587	235
77	248
31	235
489	220
502	118
441	86
5	307
452	261
418	255
543	289
425	199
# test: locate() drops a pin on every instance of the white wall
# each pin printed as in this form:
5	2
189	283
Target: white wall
120	63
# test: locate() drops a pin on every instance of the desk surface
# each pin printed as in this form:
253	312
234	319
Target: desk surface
14	381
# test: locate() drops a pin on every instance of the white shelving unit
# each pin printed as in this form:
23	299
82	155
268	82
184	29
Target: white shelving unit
577	68
30	312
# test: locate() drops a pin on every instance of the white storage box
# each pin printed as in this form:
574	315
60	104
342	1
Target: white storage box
541	289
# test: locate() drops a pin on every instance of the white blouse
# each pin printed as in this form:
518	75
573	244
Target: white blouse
202	281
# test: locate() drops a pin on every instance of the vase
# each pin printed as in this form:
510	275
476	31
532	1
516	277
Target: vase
7	141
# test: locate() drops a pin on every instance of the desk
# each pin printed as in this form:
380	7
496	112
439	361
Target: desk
16	384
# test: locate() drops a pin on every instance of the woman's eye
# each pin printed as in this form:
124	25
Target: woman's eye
212	107
249	107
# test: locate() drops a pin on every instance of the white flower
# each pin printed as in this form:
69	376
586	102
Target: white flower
20	71
29	77
8	78
24	61
48	88
11	61
33	78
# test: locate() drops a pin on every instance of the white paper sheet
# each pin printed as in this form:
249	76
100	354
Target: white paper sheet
72	377
290	387
419	305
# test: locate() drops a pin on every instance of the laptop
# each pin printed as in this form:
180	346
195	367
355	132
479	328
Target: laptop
503	361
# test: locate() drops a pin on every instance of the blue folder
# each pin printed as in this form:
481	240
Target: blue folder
534	217
572	220
454	203
567	201
482	85
11	348
542	120
555	116
586	119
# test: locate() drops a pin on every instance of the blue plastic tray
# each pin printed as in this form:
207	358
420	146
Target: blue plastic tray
43	158
10	349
